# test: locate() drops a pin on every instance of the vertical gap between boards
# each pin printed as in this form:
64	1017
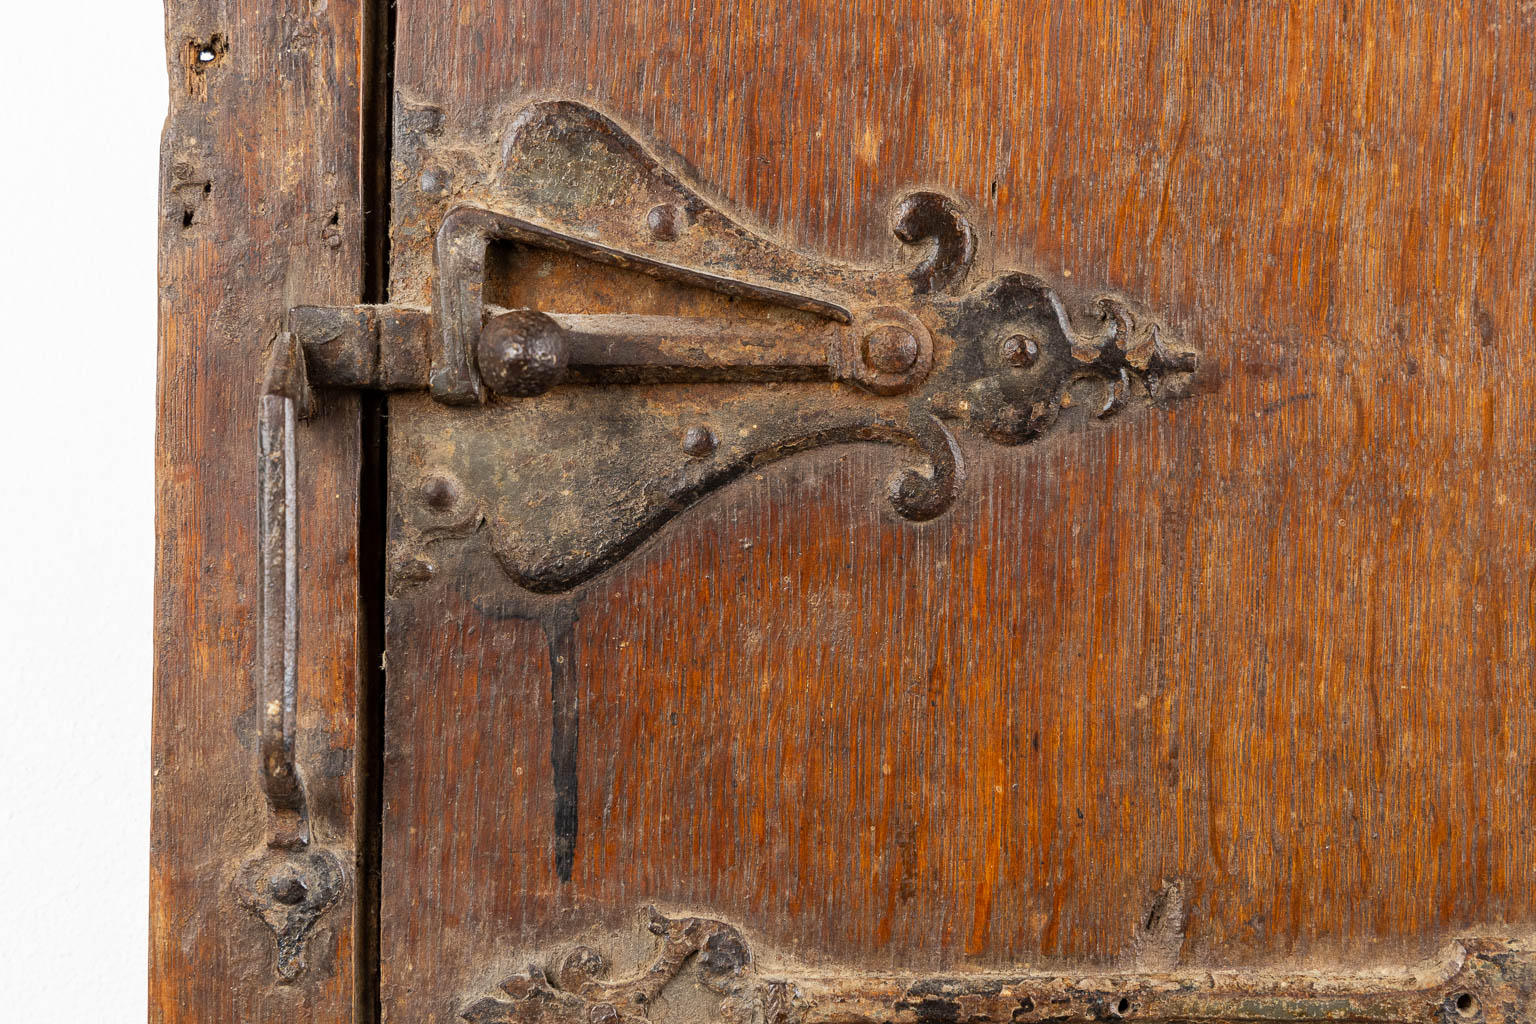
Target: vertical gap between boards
377	130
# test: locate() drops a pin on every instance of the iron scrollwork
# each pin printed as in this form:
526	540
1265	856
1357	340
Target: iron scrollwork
1482	981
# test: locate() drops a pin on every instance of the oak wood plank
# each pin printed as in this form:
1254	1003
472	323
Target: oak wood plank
260	207
1275	643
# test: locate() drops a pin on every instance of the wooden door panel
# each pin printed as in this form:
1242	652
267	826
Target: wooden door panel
1263	652
856	735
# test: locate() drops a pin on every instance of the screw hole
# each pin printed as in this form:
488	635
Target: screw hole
1466	1004
186	216
1122	1007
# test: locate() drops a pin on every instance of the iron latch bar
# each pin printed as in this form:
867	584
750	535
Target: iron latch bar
526	352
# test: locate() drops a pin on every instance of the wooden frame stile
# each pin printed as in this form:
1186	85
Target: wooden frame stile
274	149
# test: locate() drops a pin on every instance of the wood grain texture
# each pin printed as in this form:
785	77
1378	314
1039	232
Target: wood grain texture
260	208
1275	642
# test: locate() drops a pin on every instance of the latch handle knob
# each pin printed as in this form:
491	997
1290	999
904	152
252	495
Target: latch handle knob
522	352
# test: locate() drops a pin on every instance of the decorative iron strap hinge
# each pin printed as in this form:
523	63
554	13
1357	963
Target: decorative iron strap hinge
809	351
806	352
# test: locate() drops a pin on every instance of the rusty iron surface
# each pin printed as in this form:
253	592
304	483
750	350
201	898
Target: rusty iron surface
559	466
286	397
1485	981
289	888
289	884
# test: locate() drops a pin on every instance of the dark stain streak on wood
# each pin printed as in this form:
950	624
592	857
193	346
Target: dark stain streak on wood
559	623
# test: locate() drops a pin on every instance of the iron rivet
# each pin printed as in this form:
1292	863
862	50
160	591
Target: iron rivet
665	222
289	891
432	180
584	960
698	441
1020	350
890	348
414	570
439	493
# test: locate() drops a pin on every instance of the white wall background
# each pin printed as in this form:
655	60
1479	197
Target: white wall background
82	96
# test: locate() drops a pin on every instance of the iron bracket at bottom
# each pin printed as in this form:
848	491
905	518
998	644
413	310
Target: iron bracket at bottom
1483	981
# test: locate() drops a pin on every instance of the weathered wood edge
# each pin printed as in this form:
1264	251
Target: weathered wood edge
261	206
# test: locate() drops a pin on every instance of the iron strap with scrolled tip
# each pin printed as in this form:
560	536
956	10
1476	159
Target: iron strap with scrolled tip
887	354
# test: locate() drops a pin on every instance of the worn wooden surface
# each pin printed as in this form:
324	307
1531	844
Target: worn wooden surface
260	207
1274	642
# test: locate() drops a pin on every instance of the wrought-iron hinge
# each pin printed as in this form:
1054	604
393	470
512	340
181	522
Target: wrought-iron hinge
809	352
818	351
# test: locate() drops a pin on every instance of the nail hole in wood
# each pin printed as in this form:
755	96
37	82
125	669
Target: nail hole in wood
202	54
205	52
